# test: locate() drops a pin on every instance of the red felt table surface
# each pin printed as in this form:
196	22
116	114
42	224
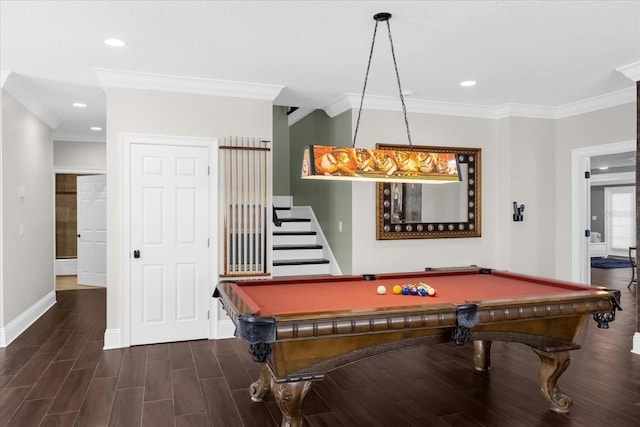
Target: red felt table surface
291	297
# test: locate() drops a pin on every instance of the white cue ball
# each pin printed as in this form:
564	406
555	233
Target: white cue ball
382	290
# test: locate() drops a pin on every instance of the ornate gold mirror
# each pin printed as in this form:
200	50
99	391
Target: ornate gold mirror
431	211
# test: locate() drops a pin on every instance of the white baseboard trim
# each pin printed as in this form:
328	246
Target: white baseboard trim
66	267
636	343
225	329
18	325
112	339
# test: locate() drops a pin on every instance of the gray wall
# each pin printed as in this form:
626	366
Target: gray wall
281	183
330	200
597	210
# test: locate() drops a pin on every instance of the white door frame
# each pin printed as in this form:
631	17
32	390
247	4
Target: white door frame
74	171
580	261
125	238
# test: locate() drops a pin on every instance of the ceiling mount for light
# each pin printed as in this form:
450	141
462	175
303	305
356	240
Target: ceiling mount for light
379	165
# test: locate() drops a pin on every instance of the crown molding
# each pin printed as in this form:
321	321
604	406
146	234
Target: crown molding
631	71
341	104
4	75
524	110
201	86
352	101
608	100
16	87
388	103
298	115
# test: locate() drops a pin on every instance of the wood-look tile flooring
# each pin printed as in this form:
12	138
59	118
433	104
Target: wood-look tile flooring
56	374
70	283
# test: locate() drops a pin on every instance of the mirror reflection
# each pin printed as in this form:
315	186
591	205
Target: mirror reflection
423	211
416	203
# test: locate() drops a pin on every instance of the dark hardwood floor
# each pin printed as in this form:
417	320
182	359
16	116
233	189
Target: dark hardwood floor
56	374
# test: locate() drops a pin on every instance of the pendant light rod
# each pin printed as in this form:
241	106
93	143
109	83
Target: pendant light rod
382	17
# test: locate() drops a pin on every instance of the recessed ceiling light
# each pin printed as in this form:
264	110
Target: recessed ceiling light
96	128
114	42
468	83
603	168
79	105
408	93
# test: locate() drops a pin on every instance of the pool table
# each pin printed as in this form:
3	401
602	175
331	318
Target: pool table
300	328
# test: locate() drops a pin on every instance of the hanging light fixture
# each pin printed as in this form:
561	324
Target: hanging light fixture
405	164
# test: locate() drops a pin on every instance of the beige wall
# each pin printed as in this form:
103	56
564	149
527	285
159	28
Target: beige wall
27	259
77	156
131	111
530	176
523	160
371	255
610	125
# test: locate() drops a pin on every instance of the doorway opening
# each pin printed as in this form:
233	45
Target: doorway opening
69	259
581	224
66	224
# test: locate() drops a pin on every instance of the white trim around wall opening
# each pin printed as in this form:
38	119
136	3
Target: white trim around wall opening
580	263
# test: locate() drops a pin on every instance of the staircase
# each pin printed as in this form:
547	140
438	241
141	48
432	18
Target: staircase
299	246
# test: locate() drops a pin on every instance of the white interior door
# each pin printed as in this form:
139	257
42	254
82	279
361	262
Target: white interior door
169	268
92	229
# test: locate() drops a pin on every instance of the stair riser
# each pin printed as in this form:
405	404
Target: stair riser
294	240
294	226
300	270
297	254
284	213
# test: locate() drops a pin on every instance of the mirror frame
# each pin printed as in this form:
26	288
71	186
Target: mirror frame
385	230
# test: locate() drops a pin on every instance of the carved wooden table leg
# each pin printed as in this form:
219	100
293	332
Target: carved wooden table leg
482	356
552	365
289	397
262	386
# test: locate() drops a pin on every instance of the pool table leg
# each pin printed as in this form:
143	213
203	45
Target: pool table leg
289	397
552	365
262	386
482	355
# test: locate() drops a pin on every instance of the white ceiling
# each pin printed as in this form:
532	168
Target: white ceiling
534	53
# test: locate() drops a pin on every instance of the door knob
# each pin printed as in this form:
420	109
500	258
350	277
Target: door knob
78	235
136	253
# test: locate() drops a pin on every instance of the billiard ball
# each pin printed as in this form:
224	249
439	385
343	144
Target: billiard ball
405	290
382	290
413	290
431	291
397	289
422	291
